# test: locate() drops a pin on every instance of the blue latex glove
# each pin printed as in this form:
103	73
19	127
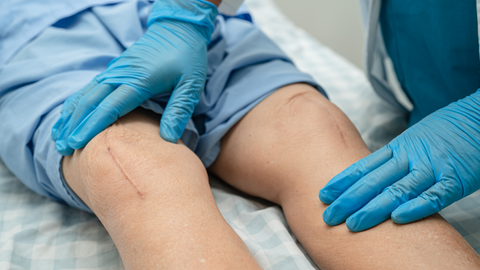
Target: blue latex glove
171	57
425	169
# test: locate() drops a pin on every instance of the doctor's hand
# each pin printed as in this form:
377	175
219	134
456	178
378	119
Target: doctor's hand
425	169
171	57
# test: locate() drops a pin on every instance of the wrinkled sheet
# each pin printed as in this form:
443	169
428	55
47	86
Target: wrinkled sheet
37	233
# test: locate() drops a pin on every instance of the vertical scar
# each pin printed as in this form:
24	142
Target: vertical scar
124	172
325	109
334	120
119	165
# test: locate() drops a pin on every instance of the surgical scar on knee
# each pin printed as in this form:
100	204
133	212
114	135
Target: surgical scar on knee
121	167
334	121
325	111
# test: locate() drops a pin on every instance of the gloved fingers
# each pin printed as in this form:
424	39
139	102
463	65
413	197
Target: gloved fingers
179	110
431	201
381	207
68	107
71	102
363	191
65	113
120	102
59	126
61	144
84	106
344	180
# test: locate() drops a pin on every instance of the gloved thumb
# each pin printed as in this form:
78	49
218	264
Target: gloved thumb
179	110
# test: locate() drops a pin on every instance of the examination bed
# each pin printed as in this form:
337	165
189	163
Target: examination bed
38	233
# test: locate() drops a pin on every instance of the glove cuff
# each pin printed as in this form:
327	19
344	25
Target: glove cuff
198	12
476	96
470	106
462	116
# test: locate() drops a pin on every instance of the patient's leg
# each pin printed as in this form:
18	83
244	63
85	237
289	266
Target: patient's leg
288	147
154	199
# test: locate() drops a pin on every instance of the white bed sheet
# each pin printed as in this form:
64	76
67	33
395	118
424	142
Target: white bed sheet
37	233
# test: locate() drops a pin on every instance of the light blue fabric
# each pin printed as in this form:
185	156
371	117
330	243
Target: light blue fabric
244	67
22	20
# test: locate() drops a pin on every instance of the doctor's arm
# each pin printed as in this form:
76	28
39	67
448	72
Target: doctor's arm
425	169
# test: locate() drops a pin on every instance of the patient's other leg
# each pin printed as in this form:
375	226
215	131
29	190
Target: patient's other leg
288	147
154	199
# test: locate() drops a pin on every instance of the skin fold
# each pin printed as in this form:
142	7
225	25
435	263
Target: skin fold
154	199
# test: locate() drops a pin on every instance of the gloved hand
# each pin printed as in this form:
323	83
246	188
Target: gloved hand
425	169
171	57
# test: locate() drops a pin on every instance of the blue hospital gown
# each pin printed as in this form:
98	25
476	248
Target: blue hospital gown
39	73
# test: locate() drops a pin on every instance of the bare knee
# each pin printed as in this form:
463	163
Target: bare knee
127	165
274	138
297	115
312	114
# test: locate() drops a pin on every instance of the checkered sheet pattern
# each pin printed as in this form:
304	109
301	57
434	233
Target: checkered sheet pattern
37	233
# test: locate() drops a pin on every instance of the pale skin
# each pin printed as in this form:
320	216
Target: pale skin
154	199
